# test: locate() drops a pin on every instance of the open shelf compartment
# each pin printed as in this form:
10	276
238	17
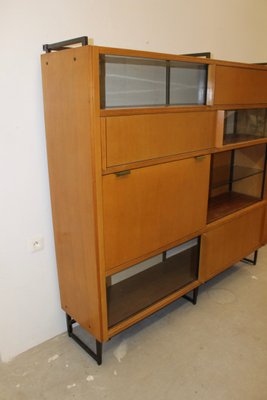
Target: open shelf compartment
133	290
237	180
244	125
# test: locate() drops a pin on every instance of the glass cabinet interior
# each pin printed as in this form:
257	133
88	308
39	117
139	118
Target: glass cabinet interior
243	125
144	284
143	82
237	180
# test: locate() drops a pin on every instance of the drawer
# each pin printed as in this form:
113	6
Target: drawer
144	137
229	242
235	85
152	207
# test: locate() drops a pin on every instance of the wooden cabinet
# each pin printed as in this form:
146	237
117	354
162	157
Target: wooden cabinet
138	166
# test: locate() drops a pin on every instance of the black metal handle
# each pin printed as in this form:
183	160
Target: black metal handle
62	45
200	158
123	173
205	54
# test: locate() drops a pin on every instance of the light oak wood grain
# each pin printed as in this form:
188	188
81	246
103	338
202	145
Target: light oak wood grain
67	78
134	138
152	207
240	85
230	241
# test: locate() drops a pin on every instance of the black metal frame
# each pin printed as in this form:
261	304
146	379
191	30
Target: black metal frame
253	261
96	355
231	173
205	54
168	82
193	299
264	173
83	40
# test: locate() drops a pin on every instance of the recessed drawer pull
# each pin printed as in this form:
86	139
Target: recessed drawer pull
122	173
199	158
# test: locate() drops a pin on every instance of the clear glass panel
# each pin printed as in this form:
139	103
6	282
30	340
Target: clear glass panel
188	83
132	82
243	125
237	179
130	292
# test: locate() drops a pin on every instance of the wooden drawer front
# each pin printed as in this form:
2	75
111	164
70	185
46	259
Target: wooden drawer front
229	242
235	85
143	137
152	207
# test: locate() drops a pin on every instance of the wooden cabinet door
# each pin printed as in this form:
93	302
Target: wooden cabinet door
229	242
135	138
152	207
235	85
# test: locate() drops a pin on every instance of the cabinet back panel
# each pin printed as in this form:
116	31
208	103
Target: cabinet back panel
143	137
152	207
240	86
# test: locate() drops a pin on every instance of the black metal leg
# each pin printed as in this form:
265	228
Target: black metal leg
254	260
97	355
193	299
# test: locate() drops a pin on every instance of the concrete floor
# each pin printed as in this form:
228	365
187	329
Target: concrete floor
215	350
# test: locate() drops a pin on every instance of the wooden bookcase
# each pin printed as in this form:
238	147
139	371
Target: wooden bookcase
149	197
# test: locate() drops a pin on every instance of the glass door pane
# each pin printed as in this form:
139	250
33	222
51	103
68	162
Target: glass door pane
132	82
243	125
143	285
237	180
188	83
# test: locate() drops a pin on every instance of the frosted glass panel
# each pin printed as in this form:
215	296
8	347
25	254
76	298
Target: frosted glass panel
132	81
137	82
188	83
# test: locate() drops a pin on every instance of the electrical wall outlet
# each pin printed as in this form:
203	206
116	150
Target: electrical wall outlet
36	244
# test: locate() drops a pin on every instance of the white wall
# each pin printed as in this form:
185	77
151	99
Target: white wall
231	29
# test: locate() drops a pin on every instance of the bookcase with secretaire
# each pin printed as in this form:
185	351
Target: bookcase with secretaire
157	175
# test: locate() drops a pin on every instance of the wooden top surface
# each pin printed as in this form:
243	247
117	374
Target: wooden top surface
164	56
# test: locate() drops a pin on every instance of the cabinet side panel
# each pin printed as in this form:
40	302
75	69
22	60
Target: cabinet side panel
66	87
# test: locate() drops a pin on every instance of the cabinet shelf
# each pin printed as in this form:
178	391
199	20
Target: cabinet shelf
239	173
237	138
227	203
144	289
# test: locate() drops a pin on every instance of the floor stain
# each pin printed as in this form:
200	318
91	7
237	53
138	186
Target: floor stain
221	296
